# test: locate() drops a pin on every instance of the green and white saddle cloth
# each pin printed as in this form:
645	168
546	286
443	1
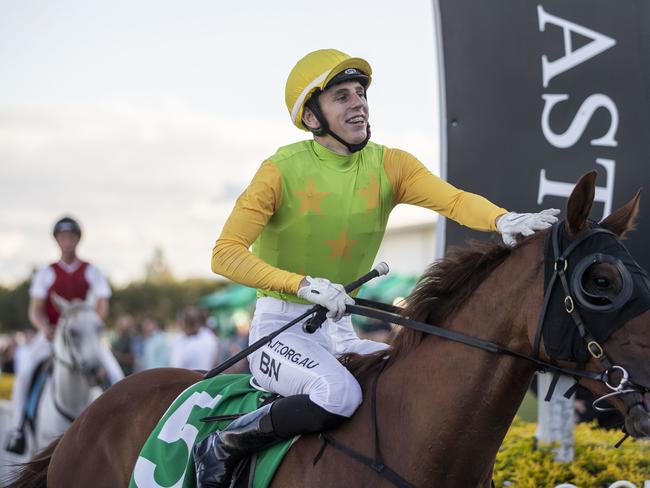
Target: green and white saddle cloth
166	458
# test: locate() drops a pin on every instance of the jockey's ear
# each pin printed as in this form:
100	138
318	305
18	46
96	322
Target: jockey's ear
580	202
622	220
60	303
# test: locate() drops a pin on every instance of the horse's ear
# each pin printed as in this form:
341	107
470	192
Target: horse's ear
622	220
60	303
580	202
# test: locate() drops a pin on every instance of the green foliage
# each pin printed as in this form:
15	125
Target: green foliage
597	464
162	299
13	307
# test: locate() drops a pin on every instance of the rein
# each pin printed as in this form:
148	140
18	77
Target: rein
389	313
630	392
377	310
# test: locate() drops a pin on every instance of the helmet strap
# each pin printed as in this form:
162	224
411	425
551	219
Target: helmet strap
324	128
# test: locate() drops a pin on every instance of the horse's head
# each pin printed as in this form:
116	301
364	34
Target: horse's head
77	340
596	311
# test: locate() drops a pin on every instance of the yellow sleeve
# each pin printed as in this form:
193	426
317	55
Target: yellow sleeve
414	184
231	256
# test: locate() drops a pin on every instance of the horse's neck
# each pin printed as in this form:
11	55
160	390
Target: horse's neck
71	389
451	403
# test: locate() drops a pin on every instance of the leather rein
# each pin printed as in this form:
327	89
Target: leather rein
630	392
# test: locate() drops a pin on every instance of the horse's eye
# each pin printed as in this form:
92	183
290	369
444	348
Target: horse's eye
74	334
602	283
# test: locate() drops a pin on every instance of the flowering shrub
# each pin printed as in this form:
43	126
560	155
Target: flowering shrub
597	463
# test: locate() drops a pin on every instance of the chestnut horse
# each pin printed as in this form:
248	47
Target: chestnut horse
443	408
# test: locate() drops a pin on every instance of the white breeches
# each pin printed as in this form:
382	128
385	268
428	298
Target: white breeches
298	363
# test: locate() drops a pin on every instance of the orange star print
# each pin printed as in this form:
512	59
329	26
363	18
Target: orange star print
341	247
310	198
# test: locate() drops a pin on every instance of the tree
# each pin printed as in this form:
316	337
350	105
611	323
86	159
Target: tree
156	269
13	307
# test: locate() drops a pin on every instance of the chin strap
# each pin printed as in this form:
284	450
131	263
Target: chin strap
324	128
352	147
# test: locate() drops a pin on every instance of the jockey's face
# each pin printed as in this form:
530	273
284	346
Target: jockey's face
346	110
67	242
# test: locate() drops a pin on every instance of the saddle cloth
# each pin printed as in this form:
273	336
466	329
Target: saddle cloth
36	388
166	457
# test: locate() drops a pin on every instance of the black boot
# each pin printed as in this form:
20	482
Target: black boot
217	456
16	441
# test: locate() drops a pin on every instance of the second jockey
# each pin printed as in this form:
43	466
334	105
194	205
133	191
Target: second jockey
69	278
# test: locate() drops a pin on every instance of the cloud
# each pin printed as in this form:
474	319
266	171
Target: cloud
156	172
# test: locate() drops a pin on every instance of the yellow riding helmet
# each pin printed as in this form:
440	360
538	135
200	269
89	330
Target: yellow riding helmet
314	72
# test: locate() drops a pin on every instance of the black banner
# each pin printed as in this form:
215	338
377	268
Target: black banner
537	93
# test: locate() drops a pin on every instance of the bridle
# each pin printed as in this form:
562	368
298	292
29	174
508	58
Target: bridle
630	392
74	364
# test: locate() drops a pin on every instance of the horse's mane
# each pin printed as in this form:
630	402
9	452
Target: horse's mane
441	290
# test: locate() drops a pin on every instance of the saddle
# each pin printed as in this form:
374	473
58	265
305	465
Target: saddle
35	391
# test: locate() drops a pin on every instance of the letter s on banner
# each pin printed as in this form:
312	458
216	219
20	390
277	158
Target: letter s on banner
580	121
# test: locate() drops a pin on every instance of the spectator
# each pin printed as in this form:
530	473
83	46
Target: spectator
155	348
122	344
239	341
197	346
70	278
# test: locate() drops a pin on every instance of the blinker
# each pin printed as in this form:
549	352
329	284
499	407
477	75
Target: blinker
601	302
601	310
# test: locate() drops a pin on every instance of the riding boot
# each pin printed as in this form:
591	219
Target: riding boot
217	456
16	441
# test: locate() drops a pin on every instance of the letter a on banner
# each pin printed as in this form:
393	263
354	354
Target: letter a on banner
571	58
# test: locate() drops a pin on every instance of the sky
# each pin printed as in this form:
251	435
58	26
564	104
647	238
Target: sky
146	119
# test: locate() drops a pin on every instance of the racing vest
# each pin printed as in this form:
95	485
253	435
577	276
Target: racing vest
332	214
66	285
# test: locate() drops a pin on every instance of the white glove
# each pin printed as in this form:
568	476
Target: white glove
512	223
330	295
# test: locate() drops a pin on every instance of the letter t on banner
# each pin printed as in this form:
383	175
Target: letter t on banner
603	194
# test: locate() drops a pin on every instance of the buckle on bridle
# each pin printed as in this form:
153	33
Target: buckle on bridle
568	304
563	263
597	352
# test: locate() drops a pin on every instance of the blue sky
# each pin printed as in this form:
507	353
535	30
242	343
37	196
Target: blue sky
146	119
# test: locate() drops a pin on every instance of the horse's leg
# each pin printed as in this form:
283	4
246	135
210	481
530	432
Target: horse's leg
101	446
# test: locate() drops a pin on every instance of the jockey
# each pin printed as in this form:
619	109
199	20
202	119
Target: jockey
69	278
315	214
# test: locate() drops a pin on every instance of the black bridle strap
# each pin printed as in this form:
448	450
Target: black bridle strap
375	463
70	418
559	262
542	317
451	335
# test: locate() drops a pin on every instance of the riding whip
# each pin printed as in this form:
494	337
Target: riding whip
310	326
379	270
